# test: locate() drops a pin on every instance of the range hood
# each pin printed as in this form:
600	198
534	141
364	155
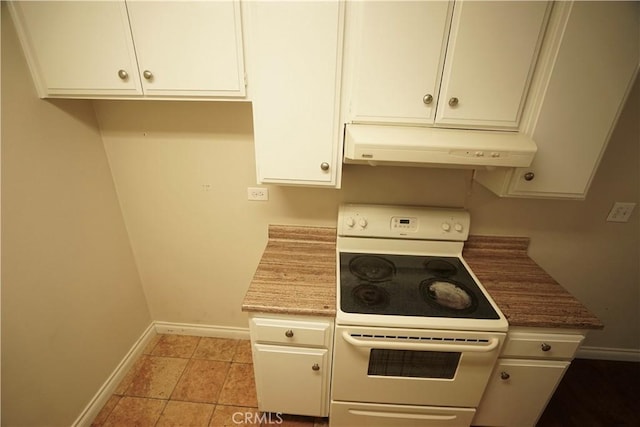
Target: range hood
428	146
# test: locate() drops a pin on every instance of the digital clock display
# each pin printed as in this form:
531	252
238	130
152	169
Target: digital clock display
405	221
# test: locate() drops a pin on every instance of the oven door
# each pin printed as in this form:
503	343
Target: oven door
412	366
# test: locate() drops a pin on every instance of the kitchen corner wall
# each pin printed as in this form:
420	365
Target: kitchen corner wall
72	301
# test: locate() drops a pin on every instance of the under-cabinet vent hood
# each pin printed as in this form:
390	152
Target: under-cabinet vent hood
425	146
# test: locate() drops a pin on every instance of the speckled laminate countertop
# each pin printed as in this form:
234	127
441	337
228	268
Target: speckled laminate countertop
297	275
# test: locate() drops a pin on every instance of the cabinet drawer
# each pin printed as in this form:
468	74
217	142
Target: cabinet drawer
295	332
545	346
381	415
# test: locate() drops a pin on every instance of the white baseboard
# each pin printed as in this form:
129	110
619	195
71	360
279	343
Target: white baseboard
104	393
604	353
202	330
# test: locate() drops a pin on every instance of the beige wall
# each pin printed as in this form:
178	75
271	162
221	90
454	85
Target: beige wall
182	172
72	302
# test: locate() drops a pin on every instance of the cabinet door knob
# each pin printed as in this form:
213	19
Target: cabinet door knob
315	367
147	74
123	74
427	99
453	102
529	176
289	333
545	346
504	375
324	166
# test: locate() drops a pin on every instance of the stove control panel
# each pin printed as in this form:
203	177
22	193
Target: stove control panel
408	222
404	223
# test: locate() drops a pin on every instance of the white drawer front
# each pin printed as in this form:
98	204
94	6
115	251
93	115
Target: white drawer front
349	414
546	346
294	332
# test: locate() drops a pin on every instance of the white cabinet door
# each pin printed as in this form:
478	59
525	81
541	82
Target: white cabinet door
398	60
295	69
188	48
78	48
399	73
491	54
86	48
594	69
518	392
292	380
590	66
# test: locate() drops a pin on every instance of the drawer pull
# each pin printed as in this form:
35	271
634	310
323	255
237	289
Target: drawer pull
289	333
545	346
315	367
504	375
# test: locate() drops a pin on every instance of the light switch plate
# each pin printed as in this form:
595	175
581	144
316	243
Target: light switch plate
620	212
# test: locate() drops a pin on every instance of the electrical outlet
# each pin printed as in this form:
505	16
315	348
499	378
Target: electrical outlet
257	193
620	212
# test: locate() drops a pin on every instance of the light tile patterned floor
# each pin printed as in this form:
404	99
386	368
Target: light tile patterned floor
192	381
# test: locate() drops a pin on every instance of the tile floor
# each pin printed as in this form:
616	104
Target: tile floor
192	381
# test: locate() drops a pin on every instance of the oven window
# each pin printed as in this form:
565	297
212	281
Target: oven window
412	363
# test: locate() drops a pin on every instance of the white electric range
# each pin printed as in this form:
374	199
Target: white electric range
417	335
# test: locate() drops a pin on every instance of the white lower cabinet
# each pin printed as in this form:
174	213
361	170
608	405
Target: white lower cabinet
291	378
518	390
529	369
292	363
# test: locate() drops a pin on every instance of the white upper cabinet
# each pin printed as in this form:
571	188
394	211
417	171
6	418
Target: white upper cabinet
491	55
398	52
188	47
295	60
587	70
78	48
118	49
464	64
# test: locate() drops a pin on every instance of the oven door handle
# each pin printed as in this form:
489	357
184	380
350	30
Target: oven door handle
401	345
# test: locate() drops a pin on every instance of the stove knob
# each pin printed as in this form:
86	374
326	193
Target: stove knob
363	222
446	226
350	222
458	227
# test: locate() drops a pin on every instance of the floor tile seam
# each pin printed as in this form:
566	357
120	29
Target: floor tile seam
111	411
168	357
145	397
182	374
224	382
196	346
127	392
213	360
187	400
235	405
221	360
